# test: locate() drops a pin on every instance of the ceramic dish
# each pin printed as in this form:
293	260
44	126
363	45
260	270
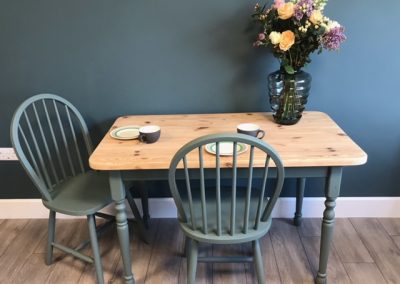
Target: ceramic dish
125	132
226	148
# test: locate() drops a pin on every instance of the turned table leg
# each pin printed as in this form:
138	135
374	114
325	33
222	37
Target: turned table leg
118	195
332	190
301	183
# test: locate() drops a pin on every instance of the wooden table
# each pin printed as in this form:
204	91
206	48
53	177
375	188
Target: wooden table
315	147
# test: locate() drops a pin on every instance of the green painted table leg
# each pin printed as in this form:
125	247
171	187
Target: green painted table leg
118	195
332	190
301	183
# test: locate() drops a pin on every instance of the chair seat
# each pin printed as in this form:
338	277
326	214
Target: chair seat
211	210
82	195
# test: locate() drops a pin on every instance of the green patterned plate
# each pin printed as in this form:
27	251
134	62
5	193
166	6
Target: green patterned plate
125	132
226	148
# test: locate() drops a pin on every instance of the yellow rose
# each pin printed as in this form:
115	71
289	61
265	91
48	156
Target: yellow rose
316	17
287	40
286	11
275	37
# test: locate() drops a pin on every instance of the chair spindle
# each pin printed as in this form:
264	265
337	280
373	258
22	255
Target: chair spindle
248	192
189	193
64	138
203	191
35	165
233	200
57	150
38	152
262	193
46	147
75	141
218	188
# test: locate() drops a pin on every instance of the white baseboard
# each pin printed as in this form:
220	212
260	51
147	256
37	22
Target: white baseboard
165	208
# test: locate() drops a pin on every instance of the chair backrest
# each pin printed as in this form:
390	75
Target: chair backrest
225	169
51	141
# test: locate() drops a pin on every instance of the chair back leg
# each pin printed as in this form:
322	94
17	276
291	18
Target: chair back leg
191	260
51	228
95	248
258	261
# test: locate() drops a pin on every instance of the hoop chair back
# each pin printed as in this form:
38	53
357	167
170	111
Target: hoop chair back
51	140
225	213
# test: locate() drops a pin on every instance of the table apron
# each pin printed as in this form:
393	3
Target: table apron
308	172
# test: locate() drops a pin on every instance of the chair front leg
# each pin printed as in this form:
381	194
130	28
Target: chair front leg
258	261
51	230
192	260
95	248
144	195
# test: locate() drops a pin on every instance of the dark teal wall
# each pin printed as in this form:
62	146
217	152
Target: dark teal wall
136	57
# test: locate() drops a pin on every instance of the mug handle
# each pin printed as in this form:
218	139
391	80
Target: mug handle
262	134
142	138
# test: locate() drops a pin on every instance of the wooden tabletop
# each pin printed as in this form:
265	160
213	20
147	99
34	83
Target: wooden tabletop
315	141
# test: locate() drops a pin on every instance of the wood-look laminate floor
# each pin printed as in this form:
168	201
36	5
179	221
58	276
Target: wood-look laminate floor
364	250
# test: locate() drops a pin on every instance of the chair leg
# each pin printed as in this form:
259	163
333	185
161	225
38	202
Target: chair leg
144	195
186	242
95	248
258	261
141	226
191	260
51	229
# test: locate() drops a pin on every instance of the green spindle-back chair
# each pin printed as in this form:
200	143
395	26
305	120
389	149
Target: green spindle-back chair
52	143
221	214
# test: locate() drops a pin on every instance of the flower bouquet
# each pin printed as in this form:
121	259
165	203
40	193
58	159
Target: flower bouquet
295	29
292	31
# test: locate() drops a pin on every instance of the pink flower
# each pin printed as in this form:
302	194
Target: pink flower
261	36
278	3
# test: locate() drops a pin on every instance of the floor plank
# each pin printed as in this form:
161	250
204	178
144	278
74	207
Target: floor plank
33	271
288	258
21	247
166	254
10	229
383	250
348	244
391	225
365	273
310	227
396	240
336	271
291	259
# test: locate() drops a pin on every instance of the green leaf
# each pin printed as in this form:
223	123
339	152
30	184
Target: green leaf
289	69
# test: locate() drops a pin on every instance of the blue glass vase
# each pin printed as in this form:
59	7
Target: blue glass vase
288	94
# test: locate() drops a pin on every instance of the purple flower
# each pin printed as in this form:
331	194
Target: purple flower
303	7
261	36
332	39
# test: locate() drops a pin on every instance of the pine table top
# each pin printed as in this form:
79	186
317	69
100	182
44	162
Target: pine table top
315	141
